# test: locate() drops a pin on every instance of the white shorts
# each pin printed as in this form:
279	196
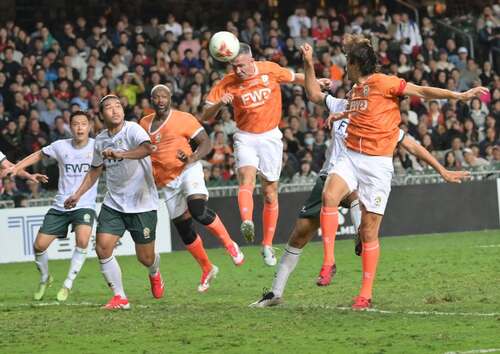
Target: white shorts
263	151
176	193
371	176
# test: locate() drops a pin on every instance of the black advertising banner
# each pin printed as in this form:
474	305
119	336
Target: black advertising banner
415	209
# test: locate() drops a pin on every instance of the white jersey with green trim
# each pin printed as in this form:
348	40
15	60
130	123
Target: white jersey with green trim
73	163
339	133
130	183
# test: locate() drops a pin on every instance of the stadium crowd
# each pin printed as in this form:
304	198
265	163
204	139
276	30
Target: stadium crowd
47	73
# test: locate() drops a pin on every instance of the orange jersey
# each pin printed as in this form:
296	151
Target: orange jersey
374	126
257	100
173	135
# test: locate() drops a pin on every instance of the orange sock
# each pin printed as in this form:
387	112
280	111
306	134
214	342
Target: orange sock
198	252
270	215
329	220
218	229
245	202
369	258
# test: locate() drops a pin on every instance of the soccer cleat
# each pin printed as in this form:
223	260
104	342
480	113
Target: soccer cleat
361	303
42	288
157	285
326	275
117	303
236	254
206	277
268	299
269	256
248	230
63	294
358	246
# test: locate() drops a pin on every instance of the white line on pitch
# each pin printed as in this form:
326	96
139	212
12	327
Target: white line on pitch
476	351
414	313
488	246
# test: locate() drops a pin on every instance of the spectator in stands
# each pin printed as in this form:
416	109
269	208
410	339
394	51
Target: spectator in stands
49	115
408	35
297	21
490	141
306	175
9	189
60	131
450	162
472	161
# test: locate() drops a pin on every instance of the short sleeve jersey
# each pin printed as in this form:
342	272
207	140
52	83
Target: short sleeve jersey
73	163
130	183
257	100
374	124
173	135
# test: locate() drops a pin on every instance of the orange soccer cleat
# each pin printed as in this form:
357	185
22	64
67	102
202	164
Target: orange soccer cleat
157	285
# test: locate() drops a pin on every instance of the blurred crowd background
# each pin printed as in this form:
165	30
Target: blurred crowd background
50	68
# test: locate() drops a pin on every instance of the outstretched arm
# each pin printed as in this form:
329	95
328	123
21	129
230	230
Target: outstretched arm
18	169
419	151
427	92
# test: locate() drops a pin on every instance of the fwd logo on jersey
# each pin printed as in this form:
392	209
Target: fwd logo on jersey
256	97
76	168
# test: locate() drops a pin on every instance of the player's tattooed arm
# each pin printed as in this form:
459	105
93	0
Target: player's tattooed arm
419	151
313	88
88	181
204	147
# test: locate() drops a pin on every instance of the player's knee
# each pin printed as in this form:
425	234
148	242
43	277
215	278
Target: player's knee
146	258
330	198
200	212
38	247
82	242
367	232
186	231
270	197
103	251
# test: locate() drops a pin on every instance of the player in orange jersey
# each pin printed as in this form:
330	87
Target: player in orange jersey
254	91
178	174
372	135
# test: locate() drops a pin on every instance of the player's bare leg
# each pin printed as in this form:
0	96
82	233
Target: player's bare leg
105	244
246	178
352	203
151	260
302	233
82	237
42	243
369	230
334	192
197	206
270	215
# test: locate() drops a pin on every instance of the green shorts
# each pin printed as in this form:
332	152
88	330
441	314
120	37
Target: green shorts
56	222
142	226
312	206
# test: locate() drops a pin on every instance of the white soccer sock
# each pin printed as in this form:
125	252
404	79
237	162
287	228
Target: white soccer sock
113	275
42	263
76	265
355	212
286	266
155	267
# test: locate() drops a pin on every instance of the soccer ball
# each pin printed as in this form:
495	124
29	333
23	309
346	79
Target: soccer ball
224	46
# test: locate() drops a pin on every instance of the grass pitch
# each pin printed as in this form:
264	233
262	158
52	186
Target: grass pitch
433	294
